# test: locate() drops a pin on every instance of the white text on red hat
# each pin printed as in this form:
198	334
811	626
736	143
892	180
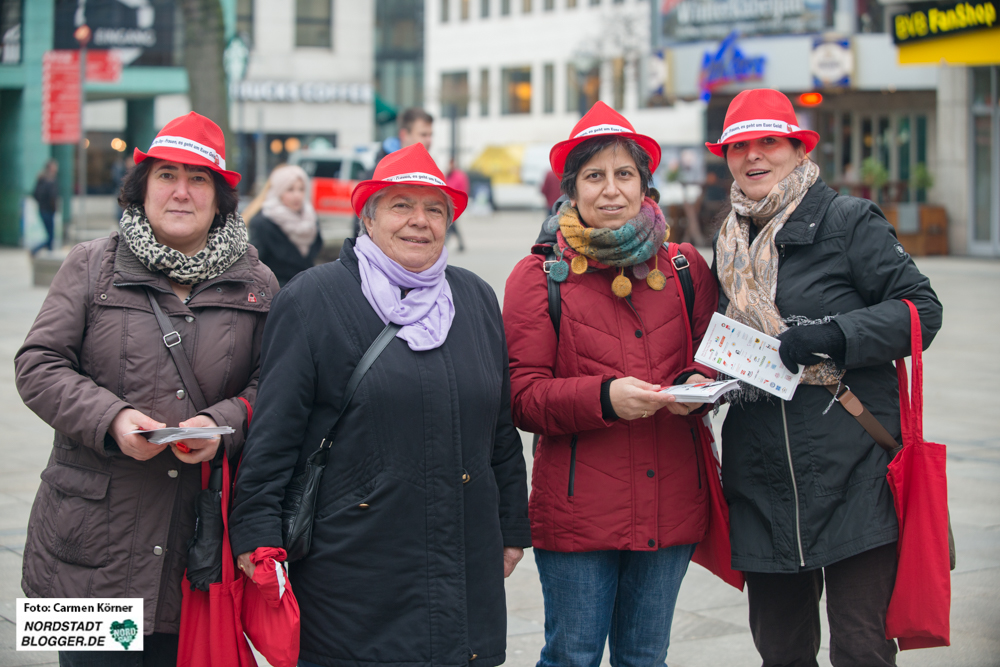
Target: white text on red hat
415	176
191	146
759	125
604	129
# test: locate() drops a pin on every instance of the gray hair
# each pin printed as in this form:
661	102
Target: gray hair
368	210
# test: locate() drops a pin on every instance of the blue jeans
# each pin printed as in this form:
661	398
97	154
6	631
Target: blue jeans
624	597
49	221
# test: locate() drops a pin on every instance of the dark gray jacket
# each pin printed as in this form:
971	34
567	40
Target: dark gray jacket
425	484
278	252
821	495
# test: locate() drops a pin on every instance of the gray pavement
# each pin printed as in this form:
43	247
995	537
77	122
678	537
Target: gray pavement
962	385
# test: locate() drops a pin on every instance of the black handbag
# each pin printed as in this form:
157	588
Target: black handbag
204	561
298	509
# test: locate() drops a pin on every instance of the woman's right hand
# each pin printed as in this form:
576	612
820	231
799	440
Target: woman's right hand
135	445
634	399
244	563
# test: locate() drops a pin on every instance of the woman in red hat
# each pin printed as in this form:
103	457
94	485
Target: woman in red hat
114	512
805	479
422	507
618	488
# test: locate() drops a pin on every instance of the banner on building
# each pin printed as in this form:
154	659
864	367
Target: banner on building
695	20
61	97
141	31
929	20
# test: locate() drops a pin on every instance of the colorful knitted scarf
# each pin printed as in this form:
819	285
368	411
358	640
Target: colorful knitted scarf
630	245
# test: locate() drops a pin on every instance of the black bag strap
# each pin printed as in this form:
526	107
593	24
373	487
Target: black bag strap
555	298
684	275
172	340
374	350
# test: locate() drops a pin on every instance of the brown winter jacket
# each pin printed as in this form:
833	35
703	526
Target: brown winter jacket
104	524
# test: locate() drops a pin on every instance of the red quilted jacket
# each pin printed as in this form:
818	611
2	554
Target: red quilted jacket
626	485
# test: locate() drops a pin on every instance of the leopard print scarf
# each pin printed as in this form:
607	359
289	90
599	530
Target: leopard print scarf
226	244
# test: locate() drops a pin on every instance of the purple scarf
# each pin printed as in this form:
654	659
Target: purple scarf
428	309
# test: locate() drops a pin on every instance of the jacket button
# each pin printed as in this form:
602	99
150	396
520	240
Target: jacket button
180	394
172	474
638	333
188	318
652	543
104	297
157	551
218	289
465	477
650	473
363	506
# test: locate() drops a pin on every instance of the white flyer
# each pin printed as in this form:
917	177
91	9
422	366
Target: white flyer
742	352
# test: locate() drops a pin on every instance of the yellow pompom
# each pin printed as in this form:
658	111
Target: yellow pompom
656	280
579	264
621	286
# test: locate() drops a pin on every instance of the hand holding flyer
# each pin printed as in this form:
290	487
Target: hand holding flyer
742	352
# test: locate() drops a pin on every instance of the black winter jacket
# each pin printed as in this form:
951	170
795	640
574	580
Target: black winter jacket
416	577
819	494
278	252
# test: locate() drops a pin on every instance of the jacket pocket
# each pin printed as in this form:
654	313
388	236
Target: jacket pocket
76	522
572	465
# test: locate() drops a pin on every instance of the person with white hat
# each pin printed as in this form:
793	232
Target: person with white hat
115	512
422	507
619	484
805	479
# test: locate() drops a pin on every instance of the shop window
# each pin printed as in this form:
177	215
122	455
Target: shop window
516	86
595	3
871	16
525	6
982	165
920	144
484	92
504	7
314	23
846	149
583	88
985	230
549	102
445	6
244	21
455	94
464	9
484	8
572	88
549	5
903	147
10	30
570	4
618	83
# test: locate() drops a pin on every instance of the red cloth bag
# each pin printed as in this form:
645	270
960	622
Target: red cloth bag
211	631
714	552
920	607
270	610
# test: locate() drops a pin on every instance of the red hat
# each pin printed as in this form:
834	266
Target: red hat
191	139
762	113
412	165
601	119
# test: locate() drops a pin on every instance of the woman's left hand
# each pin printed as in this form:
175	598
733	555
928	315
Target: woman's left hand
683	409
199	449
511	557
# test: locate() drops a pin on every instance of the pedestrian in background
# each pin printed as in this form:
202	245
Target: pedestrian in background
804	479
422	507
285	232
46	193
114	513
618	488
456	180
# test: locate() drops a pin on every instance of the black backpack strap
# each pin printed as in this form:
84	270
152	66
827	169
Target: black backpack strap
683	268
555	298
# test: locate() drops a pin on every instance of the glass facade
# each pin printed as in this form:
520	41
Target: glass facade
399	61
314	23
985	153
516	90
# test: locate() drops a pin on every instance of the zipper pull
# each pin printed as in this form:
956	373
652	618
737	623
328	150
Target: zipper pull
782	247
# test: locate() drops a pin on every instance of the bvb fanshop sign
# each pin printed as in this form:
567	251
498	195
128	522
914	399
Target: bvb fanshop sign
929	20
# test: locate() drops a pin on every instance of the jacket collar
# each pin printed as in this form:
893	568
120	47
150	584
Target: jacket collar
801	227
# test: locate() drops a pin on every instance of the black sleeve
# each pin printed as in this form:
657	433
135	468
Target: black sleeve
884	274
723	299
285	398
258	232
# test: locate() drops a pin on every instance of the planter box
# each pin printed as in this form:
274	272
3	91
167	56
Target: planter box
921	228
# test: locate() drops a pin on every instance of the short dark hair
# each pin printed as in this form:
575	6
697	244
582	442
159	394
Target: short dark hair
796	143
411	116
584	152
133	190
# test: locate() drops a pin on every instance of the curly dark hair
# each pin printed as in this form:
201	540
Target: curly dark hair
582	154
133	190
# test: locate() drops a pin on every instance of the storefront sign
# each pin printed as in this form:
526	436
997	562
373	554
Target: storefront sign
691	20
831	63
61	97
299	91
142	31
728	65
928	20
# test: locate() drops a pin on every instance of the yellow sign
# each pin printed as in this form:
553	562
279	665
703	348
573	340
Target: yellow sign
971	49
942	21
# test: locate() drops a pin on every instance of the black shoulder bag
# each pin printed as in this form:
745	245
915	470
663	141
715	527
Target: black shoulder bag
298	509
204	561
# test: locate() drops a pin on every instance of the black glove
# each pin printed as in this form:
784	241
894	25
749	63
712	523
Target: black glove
798	345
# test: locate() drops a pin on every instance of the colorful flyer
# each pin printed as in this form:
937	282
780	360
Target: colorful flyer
742	352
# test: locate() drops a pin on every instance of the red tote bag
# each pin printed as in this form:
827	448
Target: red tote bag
920	608
211	631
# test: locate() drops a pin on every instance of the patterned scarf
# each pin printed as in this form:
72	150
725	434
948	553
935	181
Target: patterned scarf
226	244
630	245
748	272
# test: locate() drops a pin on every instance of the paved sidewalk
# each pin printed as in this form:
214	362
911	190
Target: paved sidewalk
710	625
